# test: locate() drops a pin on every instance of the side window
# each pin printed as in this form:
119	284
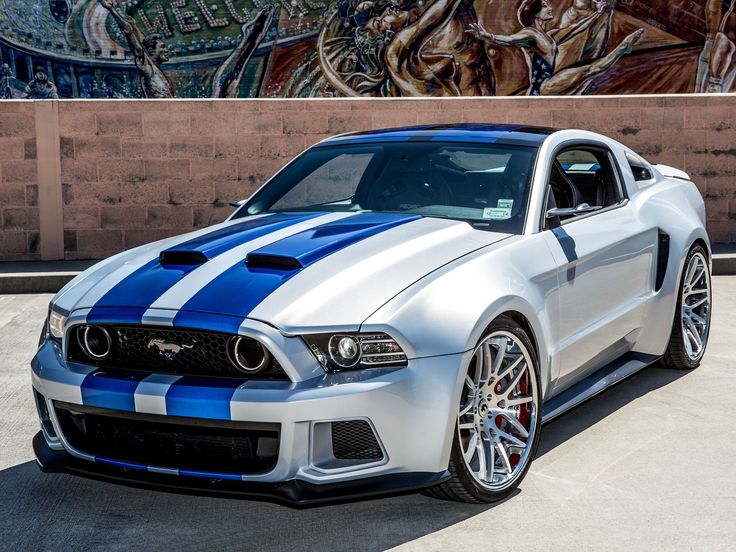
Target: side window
584	175
333	182
639	167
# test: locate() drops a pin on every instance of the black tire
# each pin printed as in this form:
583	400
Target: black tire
462	486
676	356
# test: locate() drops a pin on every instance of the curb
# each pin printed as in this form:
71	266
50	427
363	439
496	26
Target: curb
724	265
24	279
38	276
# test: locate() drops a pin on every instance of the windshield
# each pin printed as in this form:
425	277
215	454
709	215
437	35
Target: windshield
486	185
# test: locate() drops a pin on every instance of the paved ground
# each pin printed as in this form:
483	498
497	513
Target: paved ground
648	465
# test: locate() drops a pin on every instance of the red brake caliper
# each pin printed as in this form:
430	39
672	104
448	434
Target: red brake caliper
523	415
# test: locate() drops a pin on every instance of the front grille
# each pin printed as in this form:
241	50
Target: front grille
354	440
169	441
202	353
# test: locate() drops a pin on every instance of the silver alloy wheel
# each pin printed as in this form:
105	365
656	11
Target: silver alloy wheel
498	411
695	310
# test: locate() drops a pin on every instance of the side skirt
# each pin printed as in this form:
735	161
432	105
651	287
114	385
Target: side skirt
596	383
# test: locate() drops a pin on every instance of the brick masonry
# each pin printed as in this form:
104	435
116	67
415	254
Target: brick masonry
136	171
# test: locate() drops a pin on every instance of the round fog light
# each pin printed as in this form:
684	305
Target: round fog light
95	342
248	355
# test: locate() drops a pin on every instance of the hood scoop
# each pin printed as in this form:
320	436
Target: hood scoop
182	258
275	262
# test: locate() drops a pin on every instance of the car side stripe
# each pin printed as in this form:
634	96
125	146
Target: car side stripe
151	280
198	397
240	289
164	308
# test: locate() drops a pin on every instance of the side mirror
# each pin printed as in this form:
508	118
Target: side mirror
572	211
238	203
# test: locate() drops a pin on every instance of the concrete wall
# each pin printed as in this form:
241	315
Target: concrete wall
131	172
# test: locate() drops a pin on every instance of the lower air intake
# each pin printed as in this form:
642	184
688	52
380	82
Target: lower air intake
170	441
355	440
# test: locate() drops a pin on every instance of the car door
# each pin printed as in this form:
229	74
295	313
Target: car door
604	258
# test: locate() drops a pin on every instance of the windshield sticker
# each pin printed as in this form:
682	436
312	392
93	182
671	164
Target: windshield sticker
505	204
494	213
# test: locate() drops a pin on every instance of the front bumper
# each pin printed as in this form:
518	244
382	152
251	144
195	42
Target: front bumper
411	411
293	493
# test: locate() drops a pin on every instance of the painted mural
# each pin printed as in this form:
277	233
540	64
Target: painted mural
376	48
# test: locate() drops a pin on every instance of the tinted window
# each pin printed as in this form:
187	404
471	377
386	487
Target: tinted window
584	175
334	181
486	185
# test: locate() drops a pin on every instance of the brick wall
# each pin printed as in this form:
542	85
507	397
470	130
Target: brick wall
19	236
136	171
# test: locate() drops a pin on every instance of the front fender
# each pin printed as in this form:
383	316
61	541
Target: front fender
448	311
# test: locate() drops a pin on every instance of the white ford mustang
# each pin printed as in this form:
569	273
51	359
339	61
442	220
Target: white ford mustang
396	309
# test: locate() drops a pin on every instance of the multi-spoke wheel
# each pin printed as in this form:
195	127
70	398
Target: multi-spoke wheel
498	419
691	325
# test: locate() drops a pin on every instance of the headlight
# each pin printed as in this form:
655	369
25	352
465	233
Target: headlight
345	351
56	325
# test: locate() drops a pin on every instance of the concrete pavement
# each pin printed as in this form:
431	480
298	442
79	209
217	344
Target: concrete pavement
647	465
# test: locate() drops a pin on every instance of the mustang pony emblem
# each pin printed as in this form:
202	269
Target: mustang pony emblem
168	349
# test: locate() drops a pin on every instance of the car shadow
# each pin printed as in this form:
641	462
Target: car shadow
601	406
63	512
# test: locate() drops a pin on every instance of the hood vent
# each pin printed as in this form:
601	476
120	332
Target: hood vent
277	262
182	258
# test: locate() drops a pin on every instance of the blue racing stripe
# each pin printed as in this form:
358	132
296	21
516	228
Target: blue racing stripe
469	132
152	280
120	463
221	240
197	397
208	321
116	392
238	290
116	315
189	473
371	139
311	245
211	475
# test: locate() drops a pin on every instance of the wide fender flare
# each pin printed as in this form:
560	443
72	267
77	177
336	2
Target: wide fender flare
515	304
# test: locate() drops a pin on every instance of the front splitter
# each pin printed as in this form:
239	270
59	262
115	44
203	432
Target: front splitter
293	492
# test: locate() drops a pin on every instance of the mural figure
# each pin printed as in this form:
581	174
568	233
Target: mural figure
41	88
6	82
713	13
721	64
599	33
387	48
434	56
149	52
226	82
541	47
351	48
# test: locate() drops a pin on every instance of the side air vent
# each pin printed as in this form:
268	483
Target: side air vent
663	253
278	262
182	258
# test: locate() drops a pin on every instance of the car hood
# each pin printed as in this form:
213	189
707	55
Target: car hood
295	271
